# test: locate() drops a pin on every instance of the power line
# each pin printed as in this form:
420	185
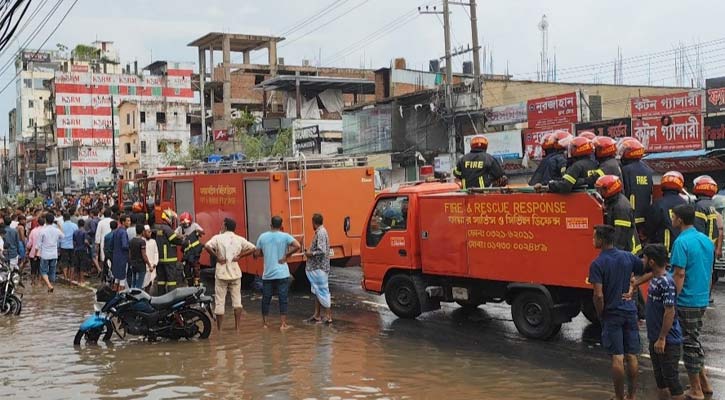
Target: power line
9	24
324	24
25	25
300	24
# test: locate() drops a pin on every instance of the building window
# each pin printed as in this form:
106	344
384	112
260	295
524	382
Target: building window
133	122
188	119
177	147
31	122
160	118
258	79
143	117
128	148
28	83
143	146
128	118
30	103
161	146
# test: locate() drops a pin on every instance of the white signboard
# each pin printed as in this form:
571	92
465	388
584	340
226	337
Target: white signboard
442	163
505	145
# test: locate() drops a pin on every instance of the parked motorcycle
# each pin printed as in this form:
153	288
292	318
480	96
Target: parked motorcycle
181	313
10	302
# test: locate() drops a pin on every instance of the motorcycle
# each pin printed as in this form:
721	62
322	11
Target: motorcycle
10	302
181	313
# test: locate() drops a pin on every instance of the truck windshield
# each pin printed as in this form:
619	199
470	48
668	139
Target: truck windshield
131	192
391	213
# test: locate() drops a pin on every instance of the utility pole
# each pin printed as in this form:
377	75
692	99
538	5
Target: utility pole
114	170
35	156
476	56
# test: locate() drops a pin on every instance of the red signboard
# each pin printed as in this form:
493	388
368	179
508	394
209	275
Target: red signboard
532	139
683	133
221	135
548	112
78	68
686	165
676	103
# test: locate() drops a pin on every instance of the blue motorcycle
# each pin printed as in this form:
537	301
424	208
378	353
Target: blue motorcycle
181	313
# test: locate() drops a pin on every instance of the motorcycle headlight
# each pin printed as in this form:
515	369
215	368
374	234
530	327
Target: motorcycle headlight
16	279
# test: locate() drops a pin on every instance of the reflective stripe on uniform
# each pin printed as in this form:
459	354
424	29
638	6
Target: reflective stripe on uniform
667	240
639	220
192	245
463	183
170	283
632	200
701	215
622	222
569	179
168	260
599	172
161	282
481	183
172	237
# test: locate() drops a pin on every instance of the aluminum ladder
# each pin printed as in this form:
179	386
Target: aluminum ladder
295	198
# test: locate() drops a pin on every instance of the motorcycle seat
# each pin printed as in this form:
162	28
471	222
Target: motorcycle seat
173	296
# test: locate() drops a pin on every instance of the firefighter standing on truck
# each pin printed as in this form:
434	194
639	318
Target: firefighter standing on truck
191	234
707	219
619	214
605	151
553	165
578	175
479	169
166	241
659	219
637	179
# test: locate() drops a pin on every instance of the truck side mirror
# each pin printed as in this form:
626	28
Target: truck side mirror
346	225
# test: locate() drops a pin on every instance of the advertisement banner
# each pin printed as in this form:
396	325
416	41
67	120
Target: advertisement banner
36	56
548	112
614	128
686	165
502	145
684	132
507	115
676	103
532	139
715	95
715	132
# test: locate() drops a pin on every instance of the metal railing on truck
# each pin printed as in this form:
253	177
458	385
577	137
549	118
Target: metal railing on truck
276	164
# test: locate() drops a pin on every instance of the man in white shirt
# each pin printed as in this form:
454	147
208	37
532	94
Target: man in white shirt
228	247
104	228
152	253
50	236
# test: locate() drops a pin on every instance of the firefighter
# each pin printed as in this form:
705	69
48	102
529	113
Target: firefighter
579	152
479	169
191	234
605	151
166	241
553	165
138	217
587	134
659	218
637	179
707	219
619	214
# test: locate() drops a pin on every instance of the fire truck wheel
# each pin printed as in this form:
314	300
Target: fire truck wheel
589	311
534	316
402	296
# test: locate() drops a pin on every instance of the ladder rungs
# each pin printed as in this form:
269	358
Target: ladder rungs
295	198
296	216
298	235
294	179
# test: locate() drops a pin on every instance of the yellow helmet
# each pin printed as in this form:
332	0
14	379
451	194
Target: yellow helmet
168	216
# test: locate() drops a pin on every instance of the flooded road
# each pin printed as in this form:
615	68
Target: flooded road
366	354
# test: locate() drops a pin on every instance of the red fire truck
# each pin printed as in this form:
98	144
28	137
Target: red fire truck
428	242
252	192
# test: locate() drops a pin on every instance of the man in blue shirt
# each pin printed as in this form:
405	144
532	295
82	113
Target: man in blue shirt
692	258
663	328
610	274
66	245
276	246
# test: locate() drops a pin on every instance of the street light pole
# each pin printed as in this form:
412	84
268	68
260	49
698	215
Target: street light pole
35	156
114	170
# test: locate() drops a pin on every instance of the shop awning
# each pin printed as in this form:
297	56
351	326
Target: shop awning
687	161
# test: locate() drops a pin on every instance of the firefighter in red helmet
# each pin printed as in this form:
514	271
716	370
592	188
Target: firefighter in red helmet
479	169
618	213
659	219
637	178
191	232
707	219
605	151
578	175
553	165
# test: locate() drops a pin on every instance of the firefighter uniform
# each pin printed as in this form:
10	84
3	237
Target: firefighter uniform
610	166
659	219
551	168
706	218
478	169
619	214
192	252
578	175
637	180
167	270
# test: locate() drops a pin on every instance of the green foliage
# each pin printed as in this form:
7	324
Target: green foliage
83	52
195	153
283	144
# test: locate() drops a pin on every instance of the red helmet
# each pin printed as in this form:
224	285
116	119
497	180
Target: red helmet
704	185
608	186
604	147
631	149
578	146
672	180
551	140
137	207
587	134
479	142
185	218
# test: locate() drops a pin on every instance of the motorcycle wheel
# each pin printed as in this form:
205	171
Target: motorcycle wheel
105	332
12	306
196	325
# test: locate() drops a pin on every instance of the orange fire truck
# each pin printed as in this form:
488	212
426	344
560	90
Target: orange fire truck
429	242
252	192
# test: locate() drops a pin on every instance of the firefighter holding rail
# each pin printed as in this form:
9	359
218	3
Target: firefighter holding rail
582	168
619	214
553	164
191	234
479	169
659	219
167	240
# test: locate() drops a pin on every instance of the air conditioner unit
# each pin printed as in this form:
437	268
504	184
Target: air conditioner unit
280	60
236	114
305	63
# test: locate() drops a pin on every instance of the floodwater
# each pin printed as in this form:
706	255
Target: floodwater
366	354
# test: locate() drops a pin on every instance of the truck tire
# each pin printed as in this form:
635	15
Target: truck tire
589	311
403	296
533	315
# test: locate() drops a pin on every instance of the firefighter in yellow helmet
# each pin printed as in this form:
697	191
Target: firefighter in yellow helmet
168	273
479	169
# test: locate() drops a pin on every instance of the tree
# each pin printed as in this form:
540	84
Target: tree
195	153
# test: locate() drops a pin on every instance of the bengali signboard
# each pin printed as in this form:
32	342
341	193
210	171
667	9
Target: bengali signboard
715	132
684	132
676	103
532	139
715	95
503	145
507	115
553	111
614	128
36	56
686	165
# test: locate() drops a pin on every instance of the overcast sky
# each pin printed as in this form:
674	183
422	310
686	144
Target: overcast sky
581	33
